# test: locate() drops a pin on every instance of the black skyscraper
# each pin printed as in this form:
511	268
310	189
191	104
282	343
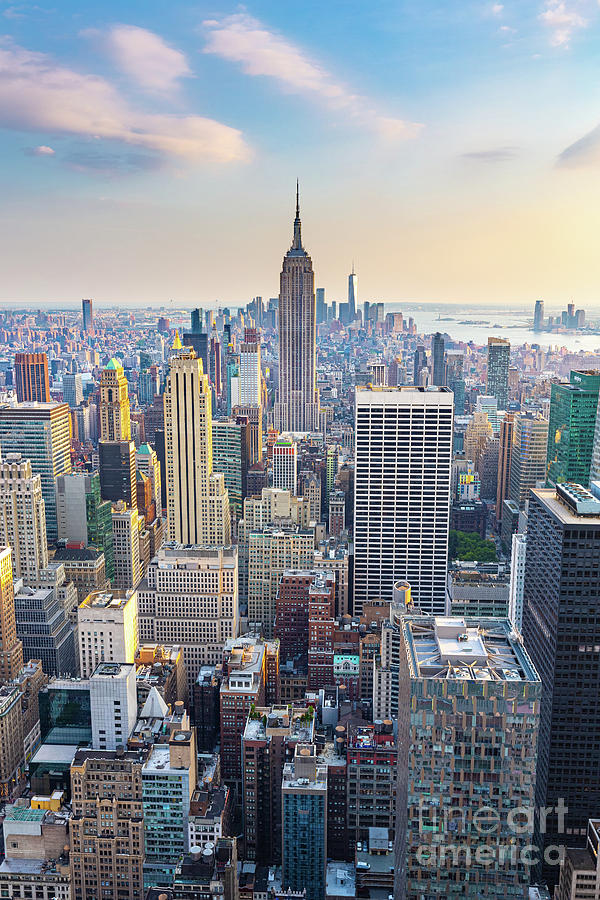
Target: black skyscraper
437	355
561	631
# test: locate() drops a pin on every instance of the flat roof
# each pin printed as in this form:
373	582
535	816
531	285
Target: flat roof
466	649
55	753
562	512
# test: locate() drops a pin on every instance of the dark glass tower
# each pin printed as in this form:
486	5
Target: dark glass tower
571	428
561	631
437	354
497	370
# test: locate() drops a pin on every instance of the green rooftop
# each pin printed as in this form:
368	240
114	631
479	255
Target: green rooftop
113	364
25	814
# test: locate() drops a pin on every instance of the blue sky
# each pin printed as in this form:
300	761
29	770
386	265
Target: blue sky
150	151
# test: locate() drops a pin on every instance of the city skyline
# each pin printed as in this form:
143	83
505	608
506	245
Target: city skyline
151	143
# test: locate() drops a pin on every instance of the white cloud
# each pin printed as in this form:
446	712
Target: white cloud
37	94
562	20
244	40
497	9
143	56
43	150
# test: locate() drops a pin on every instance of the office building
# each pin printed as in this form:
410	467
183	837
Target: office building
85	568
40	432
107	629
83	518
402	493
457	667
386	666
23	517
477	433
197	501
297	407
285	464
455	379
190	597
517	580
538	316
31	377
161	667
250	369
36	863
478	591
231	452
419	363
352	295
371	757
107	826
562	582
437	360
11	648
88	316
128	562
304	791
498	361
147	462
117	472
571	427
12	757
580	869
115	422
528	456
272	550
45	631
250	680
72	389
168	783
504	457
113	704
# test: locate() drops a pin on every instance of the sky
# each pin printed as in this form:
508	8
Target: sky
149	150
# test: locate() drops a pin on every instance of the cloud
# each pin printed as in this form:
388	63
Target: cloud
42	150
143	56
37	94
497	9
493	155
244	40
585	151
562	20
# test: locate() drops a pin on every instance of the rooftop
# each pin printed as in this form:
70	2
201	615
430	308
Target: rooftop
340	880
107	600
567	506
466	649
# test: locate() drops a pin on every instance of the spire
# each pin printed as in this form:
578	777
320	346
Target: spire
297	242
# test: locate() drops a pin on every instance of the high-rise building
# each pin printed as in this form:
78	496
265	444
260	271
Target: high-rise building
126	546
419	362
107	825
115	423
498	361
107	629
452	668
11	648
437	360
371	756
31	377
580	869
197	501
147	462
455	379
517	580
40	432
190	597
250	369
297	408
285	464
561	631
23	517
304	791
402	493
571	427
352	294
113	704
88	316
528	455
86	568
83	517
117	471
538	316
230	442
45	630
272	550
72	389
12	758
321	305
504	457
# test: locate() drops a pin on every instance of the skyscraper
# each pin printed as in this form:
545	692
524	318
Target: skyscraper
31	377
497	370
41	433
197	500
72	388
538	316
250	369
504	457
561	630
528	455
115	424
304	790
88	316
437	355
285	464
321	307
297	408
402	493
352	295
419	362
453	672
571	426
23	517
117	471
11	649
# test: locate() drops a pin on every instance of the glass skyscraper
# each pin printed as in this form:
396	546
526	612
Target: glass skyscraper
571	428
497	370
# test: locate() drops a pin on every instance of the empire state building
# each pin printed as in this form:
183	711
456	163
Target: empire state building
297	408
